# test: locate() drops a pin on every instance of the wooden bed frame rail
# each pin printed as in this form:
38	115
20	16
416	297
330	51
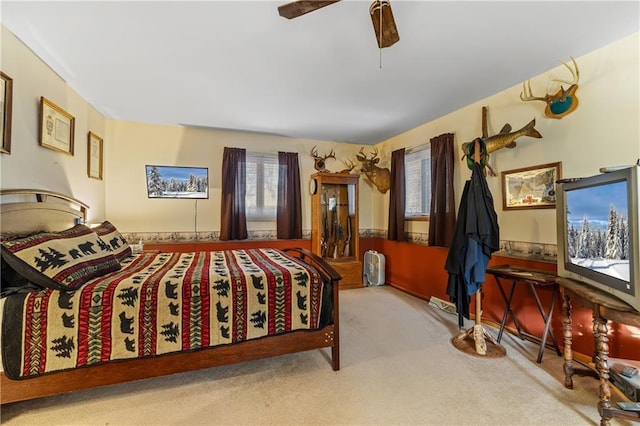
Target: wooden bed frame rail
145	368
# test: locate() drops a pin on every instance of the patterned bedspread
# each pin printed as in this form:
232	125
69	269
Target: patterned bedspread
158	304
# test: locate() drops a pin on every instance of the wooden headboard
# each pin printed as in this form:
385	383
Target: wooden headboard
25	211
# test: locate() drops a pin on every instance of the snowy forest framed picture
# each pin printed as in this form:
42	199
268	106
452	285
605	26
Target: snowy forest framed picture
94	156
177	182
530	187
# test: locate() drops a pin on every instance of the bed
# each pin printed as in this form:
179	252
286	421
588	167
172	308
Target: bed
81	311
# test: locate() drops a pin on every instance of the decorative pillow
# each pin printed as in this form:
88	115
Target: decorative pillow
60	260
119	246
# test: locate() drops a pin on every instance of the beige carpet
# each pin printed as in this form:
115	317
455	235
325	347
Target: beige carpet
398	367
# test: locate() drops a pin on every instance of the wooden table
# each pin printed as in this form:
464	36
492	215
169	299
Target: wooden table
604	307
534	279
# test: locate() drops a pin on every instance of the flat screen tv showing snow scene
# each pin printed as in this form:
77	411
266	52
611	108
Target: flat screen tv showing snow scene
598	233
177	182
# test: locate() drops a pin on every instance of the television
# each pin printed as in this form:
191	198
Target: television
177	182
598	232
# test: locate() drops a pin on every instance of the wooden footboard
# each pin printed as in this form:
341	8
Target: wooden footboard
144	368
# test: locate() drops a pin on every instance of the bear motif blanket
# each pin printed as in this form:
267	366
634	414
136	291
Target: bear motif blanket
160	303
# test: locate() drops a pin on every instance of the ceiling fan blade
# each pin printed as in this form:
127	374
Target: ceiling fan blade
299	8
385	26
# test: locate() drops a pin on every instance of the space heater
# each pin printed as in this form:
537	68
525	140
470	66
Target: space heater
373	268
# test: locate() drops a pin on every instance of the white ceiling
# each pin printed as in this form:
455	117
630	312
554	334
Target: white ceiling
239	65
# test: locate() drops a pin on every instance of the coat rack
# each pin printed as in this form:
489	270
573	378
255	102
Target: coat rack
478	333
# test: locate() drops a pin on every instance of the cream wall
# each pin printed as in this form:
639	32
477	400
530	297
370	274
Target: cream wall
602	131
29	165
138	144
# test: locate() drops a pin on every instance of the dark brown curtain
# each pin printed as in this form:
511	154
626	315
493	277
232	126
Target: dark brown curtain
396	197
289	213
233	224
442	216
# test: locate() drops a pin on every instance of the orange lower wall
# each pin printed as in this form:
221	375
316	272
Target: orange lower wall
419	270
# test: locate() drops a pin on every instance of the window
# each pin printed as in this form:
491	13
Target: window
262	187
417	169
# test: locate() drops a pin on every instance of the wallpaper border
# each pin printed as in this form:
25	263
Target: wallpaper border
517	249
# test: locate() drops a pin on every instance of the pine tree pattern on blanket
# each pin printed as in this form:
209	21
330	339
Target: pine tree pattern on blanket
158	304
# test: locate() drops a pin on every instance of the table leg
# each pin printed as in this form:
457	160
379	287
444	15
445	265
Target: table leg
547	321
602	365
568	353
554	296
507	310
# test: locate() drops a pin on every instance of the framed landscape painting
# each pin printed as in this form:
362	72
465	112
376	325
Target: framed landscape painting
530	187
177	182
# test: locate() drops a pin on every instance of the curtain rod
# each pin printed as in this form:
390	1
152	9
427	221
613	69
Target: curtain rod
417	148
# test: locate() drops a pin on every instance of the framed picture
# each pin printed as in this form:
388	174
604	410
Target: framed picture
177	182
531	187
56	127
94	156
6	102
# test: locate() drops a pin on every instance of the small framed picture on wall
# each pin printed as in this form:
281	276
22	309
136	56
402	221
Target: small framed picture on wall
57	127
530	187
6	102
94	156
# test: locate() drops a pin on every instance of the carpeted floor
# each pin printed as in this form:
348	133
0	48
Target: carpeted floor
398	368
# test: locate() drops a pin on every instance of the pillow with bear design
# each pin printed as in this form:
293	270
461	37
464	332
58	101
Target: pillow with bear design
60	260
119	246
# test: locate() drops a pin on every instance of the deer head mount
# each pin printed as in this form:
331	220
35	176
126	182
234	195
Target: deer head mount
319	163
563	102
378	176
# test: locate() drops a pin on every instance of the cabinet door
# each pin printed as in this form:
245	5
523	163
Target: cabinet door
338	221
334	208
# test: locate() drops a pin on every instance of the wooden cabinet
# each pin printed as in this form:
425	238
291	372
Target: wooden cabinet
334	224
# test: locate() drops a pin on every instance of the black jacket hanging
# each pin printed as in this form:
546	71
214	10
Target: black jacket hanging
476	235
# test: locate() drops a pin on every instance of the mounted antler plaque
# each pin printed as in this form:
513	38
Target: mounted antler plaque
319	163
564	101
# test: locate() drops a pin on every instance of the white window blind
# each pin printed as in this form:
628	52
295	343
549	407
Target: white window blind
262	187
417	169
